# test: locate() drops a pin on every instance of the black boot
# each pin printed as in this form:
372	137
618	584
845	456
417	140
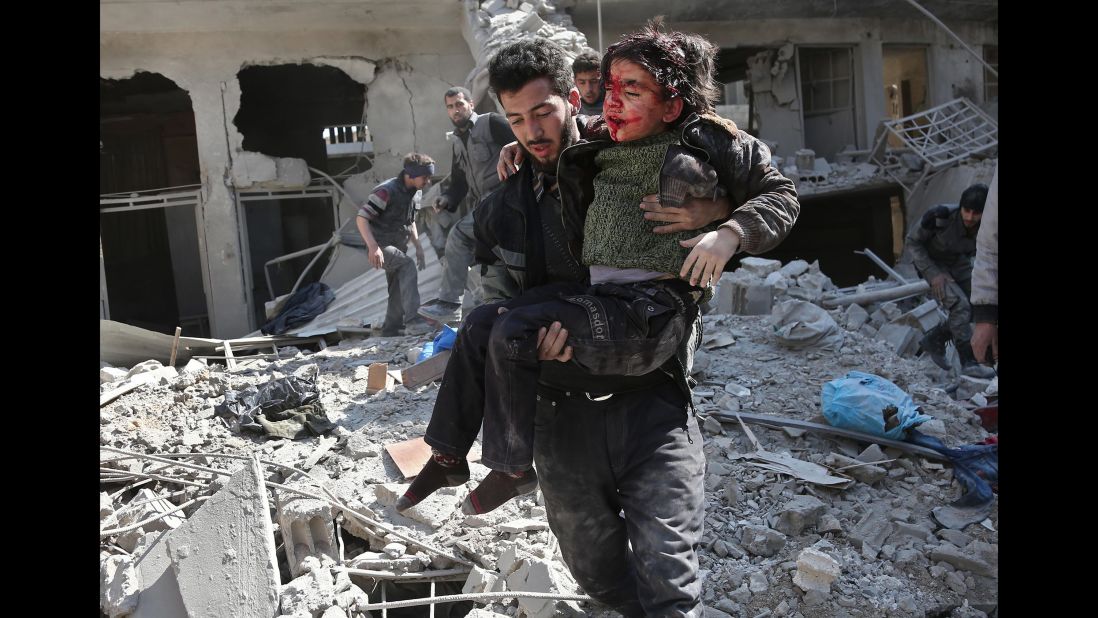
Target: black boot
969	366
933	343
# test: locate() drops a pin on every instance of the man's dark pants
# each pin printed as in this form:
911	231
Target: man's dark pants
637	451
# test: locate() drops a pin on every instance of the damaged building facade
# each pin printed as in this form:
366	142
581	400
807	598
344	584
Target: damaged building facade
216	117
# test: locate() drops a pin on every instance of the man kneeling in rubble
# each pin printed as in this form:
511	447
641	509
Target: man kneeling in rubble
942	247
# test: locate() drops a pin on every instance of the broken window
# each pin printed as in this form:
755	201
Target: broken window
736	98
315	113
149	184
991	81
827	93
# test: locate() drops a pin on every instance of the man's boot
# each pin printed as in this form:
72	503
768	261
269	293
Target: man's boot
969	366
933	343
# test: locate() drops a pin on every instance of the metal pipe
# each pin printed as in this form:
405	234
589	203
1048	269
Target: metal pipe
950	32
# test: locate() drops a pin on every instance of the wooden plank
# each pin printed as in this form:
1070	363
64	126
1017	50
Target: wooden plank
230	362
175	346
426	371
778	421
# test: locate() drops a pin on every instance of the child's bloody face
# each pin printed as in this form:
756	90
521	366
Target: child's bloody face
635	106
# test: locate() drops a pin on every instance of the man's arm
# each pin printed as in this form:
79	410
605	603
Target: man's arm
768	204
375	204
421	258
918	243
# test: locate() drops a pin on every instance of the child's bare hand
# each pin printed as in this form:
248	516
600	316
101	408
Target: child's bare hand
510	157
711	251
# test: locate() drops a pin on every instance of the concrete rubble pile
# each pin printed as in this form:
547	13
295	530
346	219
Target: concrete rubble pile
760	285
774	545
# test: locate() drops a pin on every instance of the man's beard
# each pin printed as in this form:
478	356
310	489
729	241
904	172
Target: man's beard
568	136
463	123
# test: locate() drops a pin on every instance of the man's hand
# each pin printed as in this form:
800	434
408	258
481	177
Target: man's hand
711	251
421	258
985	334
377	258
551	343
938	286
510	157
441	203
694	214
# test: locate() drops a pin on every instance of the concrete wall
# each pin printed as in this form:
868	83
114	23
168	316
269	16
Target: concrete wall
406	64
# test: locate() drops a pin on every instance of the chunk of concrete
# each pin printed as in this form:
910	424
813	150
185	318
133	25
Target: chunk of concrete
292	173
815	571
761	267
119	585
250	168
309	593
794	269
112	374
307	529
224	555
522	525
538	576
855	317
481	580
872	454
902	339
866	473
799	513
873	529
160	596
762	541
950	554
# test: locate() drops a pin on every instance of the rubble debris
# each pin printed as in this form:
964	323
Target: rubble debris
230	535
748	564
119	585
816	571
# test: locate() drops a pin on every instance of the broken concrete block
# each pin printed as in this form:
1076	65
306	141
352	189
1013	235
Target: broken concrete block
480	580
865	473
762	541
757	583
760	267
492	7
794	269
951	554
538	576
815	571
360	445
334	611
119	585
250	168
160	596
854	317
224	555
872	454
307	529
143	509
395	550
712	426
799	513
309	593
112	374
873	529
144	367
292	173
353	598
522	525
732	492
902	339
968	386
829	523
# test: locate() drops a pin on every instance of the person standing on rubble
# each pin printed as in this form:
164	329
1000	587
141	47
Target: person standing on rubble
386	222
475	141
942	248
985	280
604	444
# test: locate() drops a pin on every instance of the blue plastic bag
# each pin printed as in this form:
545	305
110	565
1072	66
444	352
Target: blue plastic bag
858	401
443	341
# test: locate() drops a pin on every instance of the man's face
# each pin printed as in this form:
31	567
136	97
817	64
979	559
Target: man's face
588	82
971	218
541	120
458	109
634	106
